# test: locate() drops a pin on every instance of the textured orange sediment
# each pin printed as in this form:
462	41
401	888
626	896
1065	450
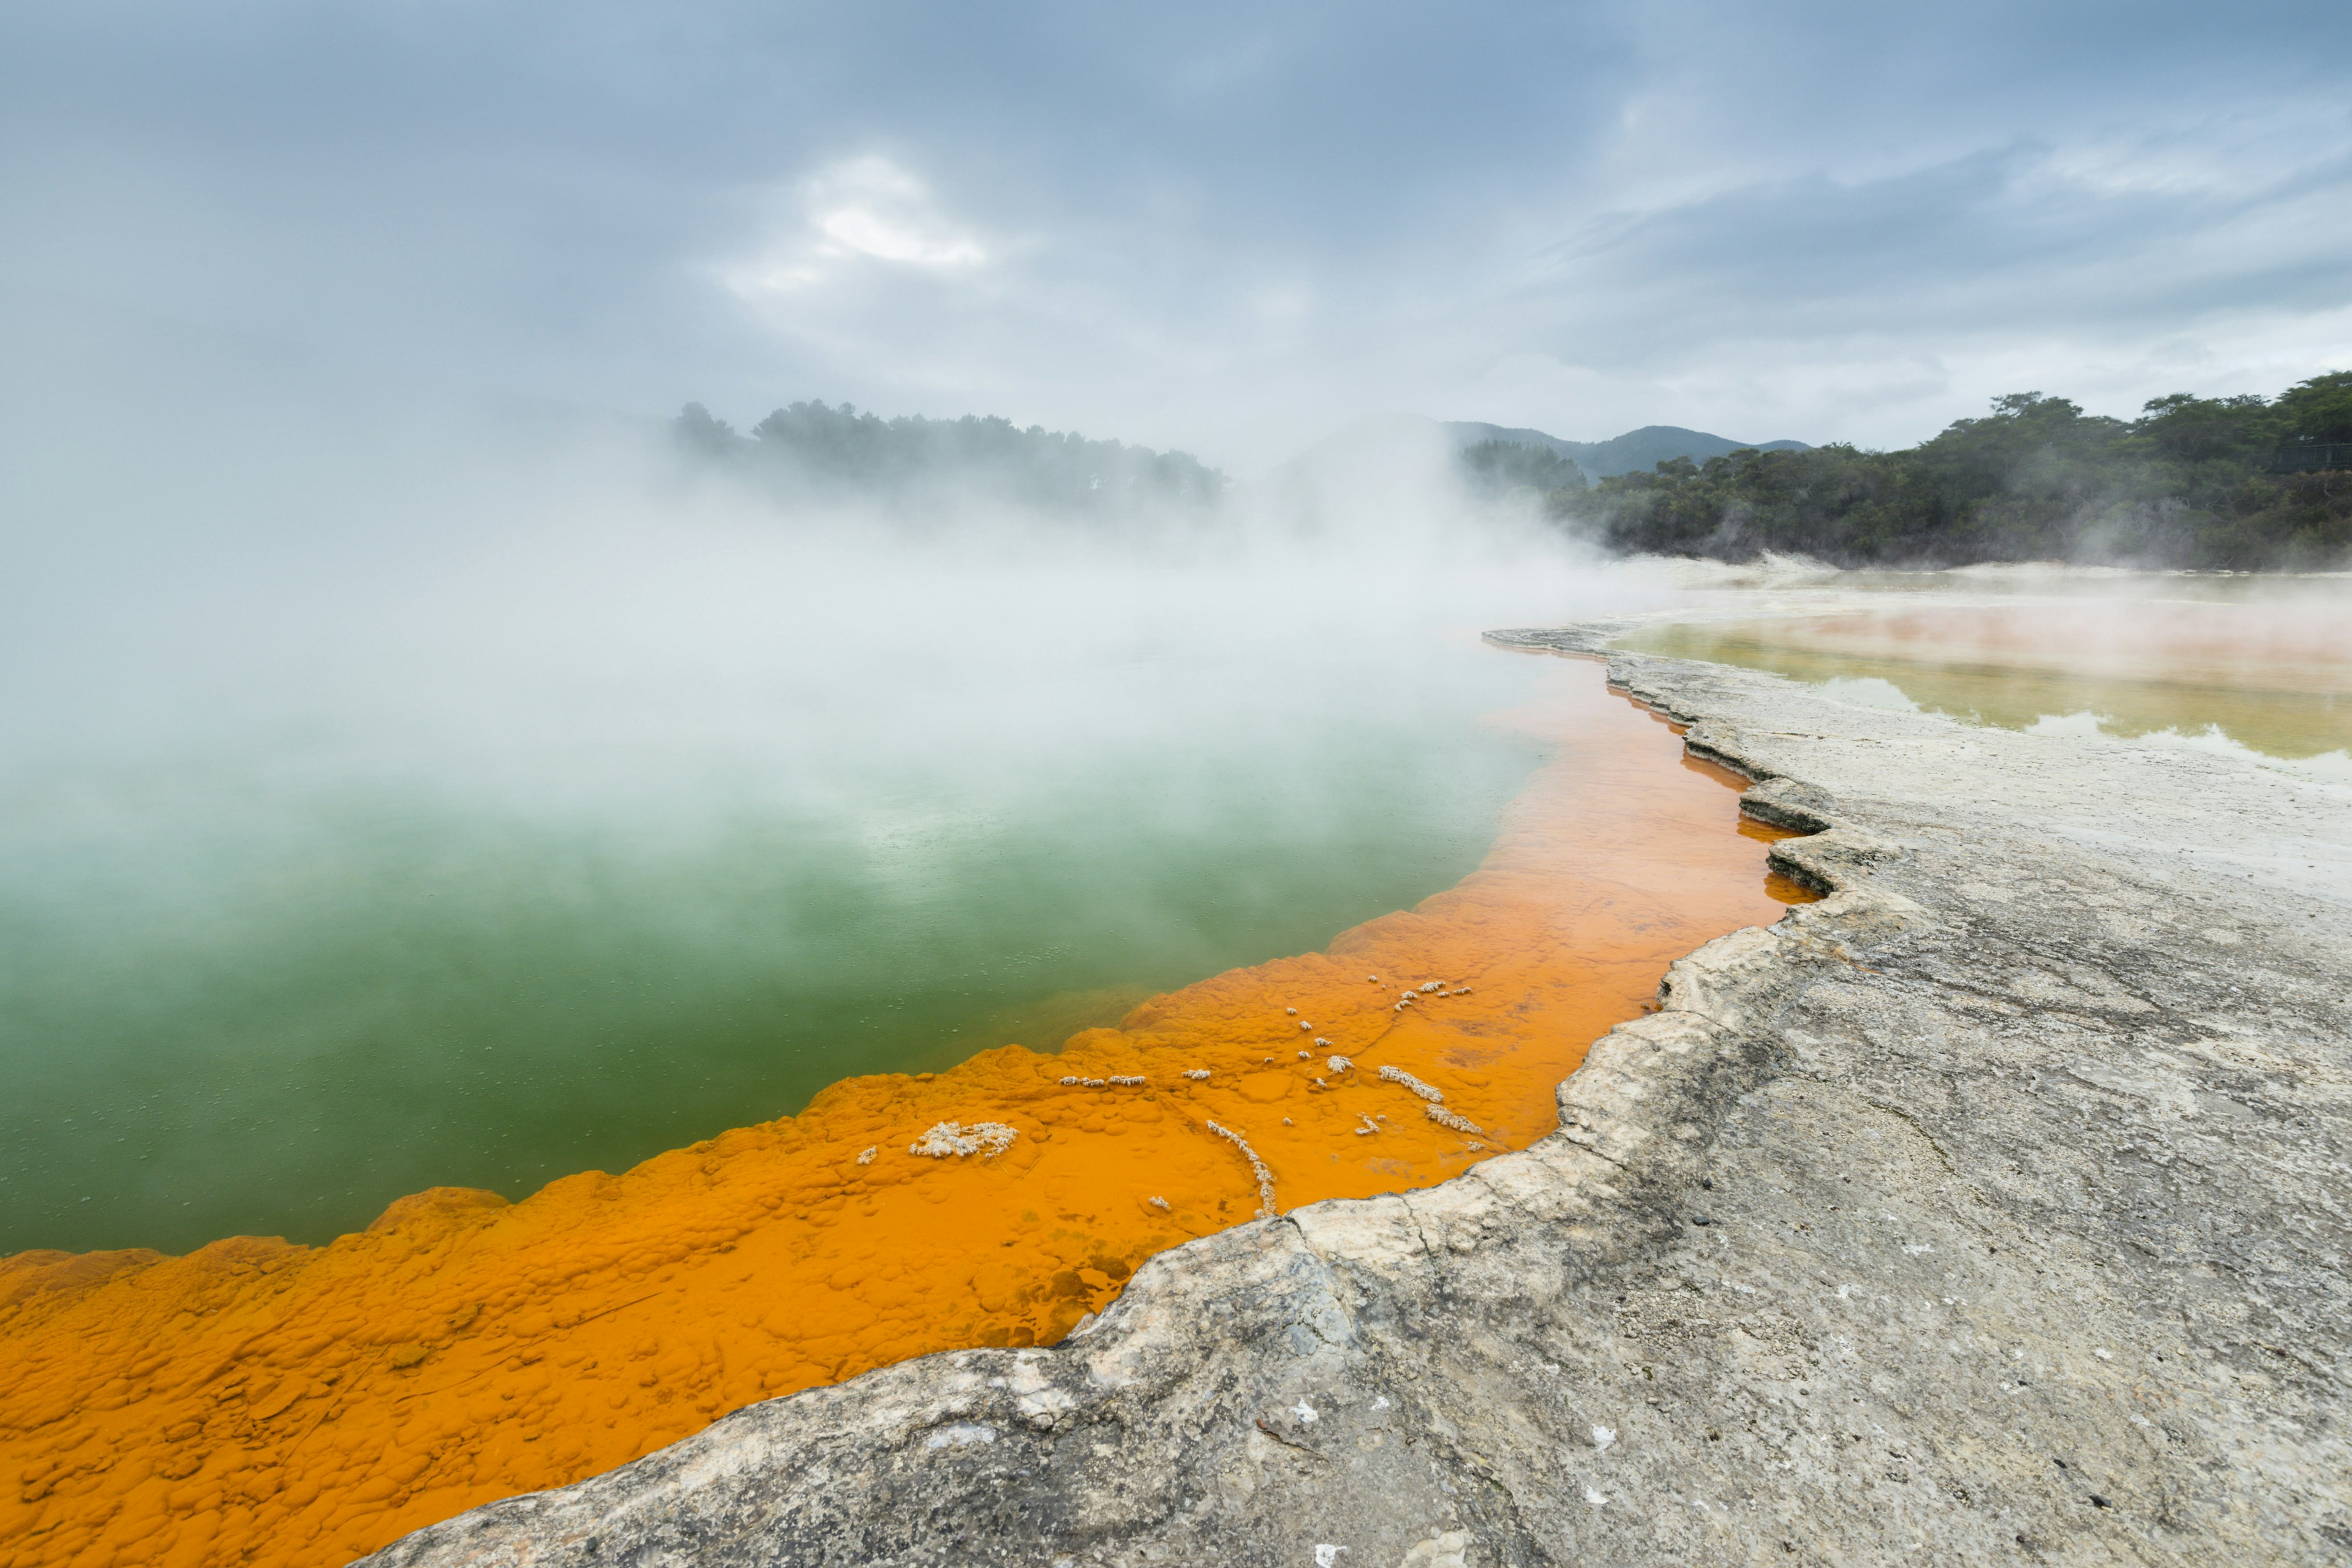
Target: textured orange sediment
258	1402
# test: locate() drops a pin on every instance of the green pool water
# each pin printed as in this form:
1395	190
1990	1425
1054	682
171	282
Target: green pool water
264	978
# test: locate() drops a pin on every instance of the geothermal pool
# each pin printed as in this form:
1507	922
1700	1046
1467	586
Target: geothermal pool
266	982
1158	921
264	1402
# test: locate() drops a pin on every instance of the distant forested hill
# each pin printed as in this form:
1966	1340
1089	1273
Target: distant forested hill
839	449
2192	482
1636	449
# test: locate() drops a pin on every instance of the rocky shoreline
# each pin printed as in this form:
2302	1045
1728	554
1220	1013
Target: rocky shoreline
1994	1208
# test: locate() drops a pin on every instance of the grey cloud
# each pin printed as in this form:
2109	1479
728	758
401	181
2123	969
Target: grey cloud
1223	227
1985	241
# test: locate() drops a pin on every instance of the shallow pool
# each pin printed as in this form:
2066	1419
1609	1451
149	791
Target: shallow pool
2265	678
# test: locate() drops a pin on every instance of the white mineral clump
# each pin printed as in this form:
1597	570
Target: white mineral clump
1198	1074
1159	1203
986	1139
1445	1117
867	1157
1130	1080
1257	1167
1339	1064
1400	1075
1397	1075
1369	1127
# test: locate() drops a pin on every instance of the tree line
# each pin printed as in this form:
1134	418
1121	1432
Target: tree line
2193	482
816	445
1499	466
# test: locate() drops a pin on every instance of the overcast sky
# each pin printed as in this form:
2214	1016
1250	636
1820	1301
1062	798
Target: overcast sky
1227	227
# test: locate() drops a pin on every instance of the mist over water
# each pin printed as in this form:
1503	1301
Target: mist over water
473	810
391	802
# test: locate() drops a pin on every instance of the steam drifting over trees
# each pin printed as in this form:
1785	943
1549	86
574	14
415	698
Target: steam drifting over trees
988	458
2207	483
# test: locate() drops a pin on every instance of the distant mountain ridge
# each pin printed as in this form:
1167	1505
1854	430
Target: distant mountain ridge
1636	451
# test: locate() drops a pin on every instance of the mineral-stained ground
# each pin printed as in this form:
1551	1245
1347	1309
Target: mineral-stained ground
1991	1210
261	1404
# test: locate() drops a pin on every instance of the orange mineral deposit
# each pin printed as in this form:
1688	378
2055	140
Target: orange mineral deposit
261	1402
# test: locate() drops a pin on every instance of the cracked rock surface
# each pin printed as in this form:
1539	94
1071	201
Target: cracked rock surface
1992	1210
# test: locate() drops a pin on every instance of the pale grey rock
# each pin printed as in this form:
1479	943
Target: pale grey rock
2025	1161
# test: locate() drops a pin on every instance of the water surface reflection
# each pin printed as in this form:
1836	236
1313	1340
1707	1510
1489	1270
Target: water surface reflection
2265	677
